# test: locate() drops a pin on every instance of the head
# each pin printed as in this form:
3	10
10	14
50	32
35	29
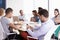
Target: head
9	12
34	12
1	11
43	15
39	8
56	12
21	12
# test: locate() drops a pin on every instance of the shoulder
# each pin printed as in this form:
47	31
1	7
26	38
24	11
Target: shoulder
4	19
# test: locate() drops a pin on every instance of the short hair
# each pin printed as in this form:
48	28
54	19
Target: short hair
20	11
44	12
35	12
57	10
8	10
1	11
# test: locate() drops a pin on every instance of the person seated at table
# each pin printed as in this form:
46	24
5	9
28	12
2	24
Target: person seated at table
6	22
21	16
56	18
35	18
1	12
1	29
46	25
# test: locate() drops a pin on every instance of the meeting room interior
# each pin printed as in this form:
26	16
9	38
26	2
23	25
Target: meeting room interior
29	20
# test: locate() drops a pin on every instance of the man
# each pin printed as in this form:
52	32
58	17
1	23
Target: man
46	25
21	16
6	23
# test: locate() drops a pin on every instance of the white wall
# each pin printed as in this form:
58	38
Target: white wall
26	5
41	3
16	5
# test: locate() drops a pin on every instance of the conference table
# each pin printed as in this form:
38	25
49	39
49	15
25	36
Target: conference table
23	29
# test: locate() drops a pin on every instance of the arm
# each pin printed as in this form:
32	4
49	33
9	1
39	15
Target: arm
35	28
57	20
13	26
40	32
8	22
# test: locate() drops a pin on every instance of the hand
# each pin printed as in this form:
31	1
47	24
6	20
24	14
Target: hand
29	27
20	26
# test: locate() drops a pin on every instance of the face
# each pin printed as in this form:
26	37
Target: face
21	12
10	14
55	13
33	13
41	18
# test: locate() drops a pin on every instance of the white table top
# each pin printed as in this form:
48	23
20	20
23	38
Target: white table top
24	26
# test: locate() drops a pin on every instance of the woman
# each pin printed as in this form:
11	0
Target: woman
35	17
56	19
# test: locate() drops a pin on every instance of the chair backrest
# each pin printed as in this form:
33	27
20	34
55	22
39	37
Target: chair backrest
15	18
50	33
1	32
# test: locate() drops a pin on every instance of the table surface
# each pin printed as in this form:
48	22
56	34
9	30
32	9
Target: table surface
24	25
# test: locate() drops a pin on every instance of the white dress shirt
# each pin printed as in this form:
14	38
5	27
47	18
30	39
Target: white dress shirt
41	32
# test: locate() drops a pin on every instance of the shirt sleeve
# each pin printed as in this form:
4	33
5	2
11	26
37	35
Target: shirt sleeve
35	28
38	33
7	21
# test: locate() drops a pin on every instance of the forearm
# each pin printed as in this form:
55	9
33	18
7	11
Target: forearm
14	27
37	34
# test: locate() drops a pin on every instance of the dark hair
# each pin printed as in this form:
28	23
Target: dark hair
20	11
35	12
39	8
44	12
57	11
8	10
